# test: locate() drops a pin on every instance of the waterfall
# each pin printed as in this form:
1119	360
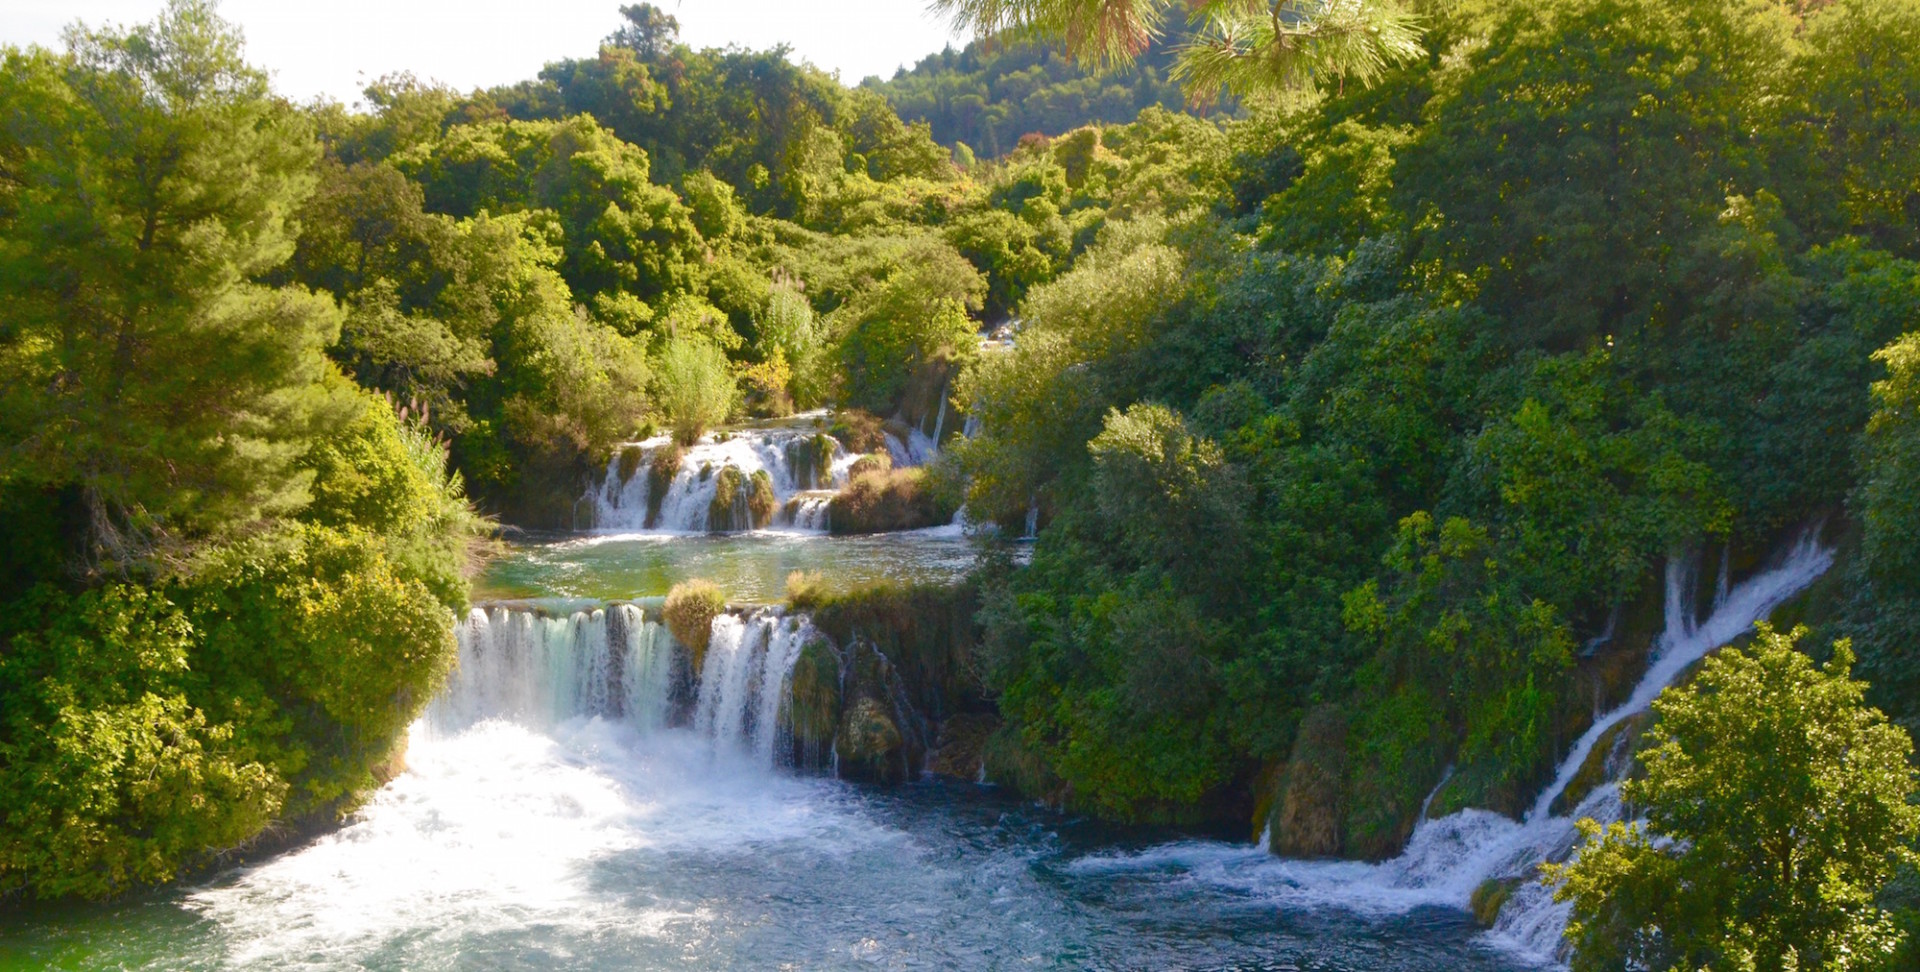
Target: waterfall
940	416
916	450
790	457
616	664
1446	859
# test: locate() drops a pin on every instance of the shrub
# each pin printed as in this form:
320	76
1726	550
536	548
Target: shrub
690	609
806	589
694	387
872	462
884	502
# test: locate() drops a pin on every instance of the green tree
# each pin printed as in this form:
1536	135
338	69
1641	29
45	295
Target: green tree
694	387
916	313
1777	804
149	180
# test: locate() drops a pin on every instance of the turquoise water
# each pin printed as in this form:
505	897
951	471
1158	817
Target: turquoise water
751	568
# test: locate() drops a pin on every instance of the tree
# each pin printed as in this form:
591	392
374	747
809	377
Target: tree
649	31
1245	47
1777	805
694	388
148	177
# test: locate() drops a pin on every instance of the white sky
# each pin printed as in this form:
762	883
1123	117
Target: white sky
333	47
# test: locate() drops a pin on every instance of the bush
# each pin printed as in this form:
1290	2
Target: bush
1770	863
690	609
694	387
871	463
884	502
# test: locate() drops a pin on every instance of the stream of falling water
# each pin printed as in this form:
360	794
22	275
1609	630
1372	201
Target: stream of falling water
1447	858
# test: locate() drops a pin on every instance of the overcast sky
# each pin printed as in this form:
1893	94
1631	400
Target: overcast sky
333	47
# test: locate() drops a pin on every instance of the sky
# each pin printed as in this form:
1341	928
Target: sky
334	47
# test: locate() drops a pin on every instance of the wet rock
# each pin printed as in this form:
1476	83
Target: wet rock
1612	756
870	746
960	746
1306	815
813	703
1489	898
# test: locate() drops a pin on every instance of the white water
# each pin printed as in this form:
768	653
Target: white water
918	449
748	667
1447	859
620	505
540	671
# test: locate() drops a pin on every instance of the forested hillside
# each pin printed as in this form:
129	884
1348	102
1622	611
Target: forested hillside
1360	427
989	94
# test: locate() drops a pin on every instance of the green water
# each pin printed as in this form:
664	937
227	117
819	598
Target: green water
751	568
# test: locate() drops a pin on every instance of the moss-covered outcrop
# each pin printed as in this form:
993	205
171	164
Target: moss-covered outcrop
811	460
870	745
1306	808
661	470
813	703
886	502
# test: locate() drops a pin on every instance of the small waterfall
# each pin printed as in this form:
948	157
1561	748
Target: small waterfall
807	511
794	460
539	670
748	673
940	415
1448	858
615	664
916	450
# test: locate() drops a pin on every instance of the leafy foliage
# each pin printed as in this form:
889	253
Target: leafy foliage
1777	804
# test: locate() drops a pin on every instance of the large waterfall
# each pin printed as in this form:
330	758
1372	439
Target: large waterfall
655	485
616	664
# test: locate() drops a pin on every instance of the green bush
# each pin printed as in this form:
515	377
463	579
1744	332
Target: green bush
690	609
695	387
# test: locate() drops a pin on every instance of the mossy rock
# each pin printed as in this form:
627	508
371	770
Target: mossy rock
760	499
1306	816
811	459
813	704
1489	898
630	459
727	511
1607	757
870	745
661	470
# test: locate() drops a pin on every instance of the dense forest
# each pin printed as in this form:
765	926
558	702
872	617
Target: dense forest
1359	422
982	99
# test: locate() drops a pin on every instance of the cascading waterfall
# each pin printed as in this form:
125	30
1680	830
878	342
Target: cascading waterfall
539	670
1448	858
748	669
616	664
622	500
917	449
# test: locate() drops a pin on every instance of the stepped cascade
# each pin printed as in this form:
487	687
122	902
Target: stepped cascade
750	479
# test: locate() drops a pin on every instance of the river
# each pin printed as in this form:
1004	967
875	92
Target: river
541	840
